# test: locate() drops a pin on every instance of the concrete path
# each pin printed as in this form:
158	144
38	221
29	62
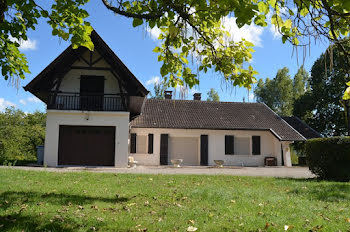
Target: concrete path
293	172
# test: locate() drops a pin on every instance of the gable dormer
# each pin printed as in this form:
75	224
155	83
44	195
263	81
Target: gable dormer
79	79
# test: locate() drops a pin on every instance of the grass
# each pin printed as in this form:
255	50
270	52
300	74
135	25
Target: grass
82	201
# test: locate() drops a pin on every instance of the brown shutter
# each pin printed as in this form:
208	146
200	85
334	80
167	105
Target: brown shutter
229	145
256	145
164	149
150	143
133	143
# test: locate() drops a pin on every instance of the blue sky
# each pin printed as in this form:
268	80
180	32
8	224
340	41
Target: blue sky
134	47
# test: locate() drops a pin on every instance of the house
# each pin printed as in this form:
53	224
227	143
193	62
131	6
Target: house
98	115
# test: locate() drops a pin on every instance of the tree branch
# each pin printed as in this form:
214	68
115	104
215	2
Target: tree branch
131	15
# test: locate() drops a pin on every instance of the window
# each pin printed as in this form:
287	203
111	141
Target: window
256	145
229	145
242	145
141	143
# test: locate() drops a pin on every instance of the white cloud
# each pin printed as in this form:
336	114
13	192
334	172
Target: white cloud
22	101
33	99
274	31
154	32
29	99
251	96
153	80
26	44
251	33
5	104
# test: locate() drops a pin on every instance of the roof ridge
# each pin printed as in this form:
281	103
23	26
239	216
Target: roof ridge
210	102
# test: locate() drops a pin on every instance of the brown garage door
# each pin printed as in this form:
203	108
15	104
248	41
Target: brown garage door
86	145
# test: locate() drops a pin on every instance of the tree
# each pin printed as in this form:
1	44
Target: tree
159	89
300	83
320	107
20	134
277	93
187	29
213	95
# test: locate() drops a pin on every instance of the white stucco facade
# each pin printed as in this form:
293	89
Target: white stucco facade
270	146
55	118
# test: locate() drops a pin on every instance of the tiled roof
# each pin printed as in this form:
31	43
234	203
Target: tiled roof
193	114
301	127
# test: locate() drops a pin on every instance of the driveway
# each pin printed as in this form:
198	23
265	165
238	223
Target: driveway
292	172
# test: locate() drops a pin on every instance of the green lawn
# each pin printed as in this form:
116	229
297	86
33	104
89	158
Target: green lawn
83	201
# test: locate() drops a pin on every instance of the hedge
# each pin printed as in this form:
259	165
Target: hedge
329	158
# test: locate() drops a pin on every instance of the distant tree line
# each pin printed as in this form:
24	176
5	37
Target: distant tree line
316	98
20	134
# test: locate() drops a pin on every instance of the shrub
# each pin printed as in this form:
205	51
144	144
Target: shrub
329	158
20	134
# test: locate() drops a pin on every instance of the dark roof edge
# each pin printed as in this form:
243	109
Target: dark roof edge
307	125
284	122
96	38
38	77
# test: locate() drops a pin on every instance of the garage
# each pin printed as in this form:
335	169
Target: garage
186	148
86	145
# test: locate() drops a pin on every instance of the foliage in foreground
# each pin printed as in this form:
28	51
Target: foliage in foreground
187	30
33	200
329	158
20	134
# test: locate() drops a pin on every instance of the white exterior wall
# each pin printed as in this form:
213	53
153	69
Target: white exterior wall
270	146
71	81
55	118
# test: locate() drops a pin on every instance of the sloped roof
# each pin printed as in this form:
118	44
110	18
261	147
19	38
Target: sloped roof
194	114
46	79
301	127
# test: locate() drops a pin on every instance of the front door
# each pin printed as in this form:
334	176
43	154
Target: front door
91	92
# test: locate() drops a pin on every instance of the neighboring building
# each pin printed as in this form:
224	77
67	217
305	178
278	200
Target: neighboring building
96	107
301	127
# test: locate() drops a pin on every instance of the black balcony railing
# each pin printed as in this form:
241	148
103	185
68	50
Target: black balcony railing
88	102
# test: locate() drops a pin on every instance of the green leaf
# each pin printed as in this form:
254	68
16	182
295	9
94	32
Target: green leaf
263	7
288	23
346	95
184	60
151	23
137	22
157	49
164	70
304	11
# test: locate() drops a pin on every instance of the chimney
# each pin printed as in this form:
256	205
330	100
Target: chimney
168	94
197	96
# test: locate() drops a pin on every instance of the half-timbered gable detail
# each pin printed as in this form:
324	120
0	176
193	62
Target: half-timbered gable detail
97	80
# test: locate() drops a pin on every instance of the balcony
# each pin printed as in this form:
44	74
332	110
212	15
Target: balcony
90	102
